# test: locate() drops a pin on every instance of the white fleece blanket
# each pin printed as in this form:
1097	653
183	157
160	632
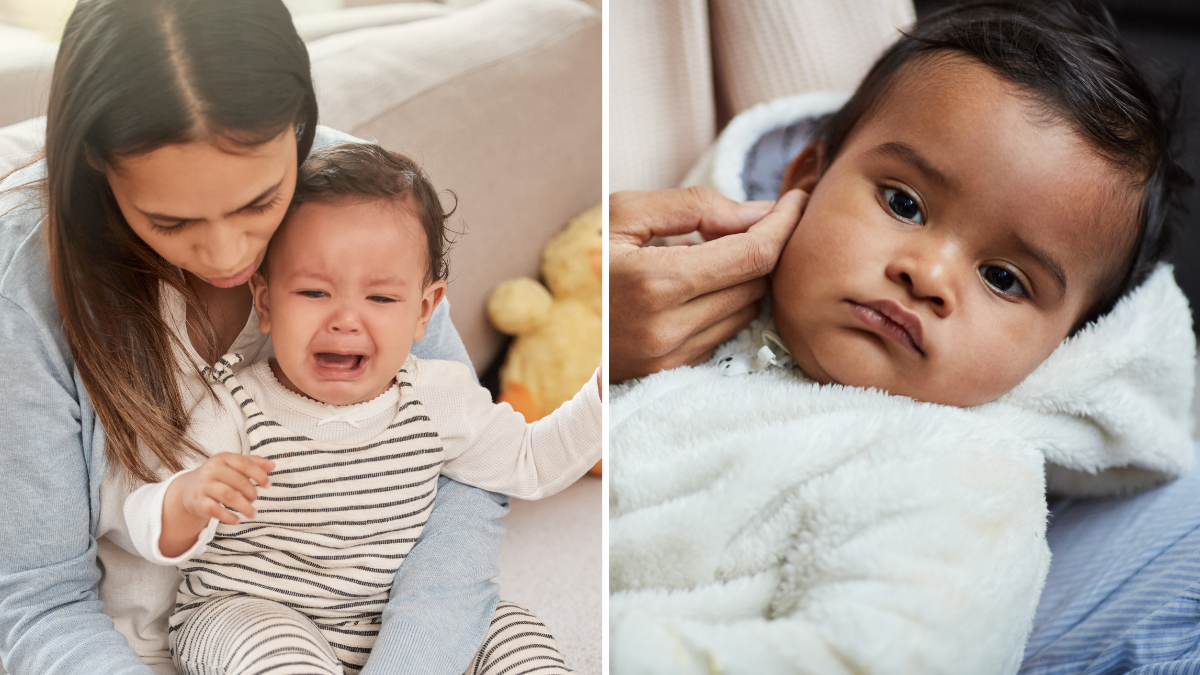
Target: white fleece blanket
766	524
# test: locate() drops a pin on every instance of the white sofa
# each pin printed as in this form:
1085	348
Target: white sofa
501	103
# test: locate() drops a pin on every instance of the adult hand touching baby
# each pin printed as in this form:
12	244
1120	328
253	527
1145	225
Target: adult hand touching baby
672	305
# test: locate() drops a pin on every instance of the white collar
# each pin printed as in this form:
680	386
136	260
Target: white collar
325	413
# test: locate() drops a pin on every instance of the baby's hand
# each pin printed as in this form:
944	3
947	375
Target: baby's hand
224	479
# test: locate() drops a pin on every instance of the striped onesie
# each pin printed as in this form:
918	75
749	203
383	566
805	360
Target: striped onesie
335	525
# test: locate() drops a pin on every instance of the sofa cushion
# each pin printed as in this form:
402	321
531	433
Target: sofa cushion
25	80
322	24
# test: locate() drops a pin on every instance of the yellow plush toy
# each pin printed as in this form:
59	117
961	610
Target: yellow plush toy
557	326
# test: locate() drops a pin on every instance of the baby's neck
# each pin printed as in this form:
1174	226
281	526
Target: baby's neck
287	383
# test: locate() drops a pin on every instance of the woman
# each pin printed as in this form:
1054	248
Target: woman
173	136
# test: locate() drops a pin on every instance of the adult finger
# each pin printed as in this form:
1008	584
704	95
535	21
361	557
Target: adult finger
737	258
714	228
710	308
701	346
637	217
668	330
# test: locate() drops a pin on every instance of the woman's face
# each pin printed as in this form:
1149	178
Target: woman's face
208	207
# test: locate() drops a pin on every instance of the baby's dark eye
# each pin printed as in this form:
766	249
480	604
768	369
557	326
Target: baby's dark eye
902	204
380	299
312	294
1002	280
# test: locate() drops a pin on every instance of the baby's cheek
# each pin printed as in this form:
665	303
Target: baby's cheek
290	344
793	277
986	373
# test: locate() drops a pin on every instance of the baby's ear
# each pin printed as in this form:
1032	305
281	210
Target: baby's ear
806	169
258	291
430	298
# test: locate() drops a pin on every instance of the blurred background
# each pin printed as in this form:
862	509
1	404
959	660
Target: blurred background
500	101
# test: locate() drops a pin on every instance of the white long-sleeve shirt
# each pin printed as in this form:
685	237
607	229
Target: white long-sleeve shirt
485	444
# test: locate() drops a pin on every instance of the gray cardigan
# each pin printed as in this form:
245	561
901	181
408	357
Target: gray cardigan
52	463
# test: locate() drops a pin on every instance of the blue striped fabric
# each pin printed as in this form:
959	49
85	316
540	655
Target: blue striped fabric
1123	594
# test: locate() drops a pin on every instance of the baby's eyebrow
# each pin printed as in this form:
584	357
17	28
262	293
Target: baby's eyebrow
905	153
303	273
1047	261
386	280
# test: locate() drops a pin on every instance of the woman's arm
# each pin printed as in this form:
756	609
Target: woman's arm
443	596
50	615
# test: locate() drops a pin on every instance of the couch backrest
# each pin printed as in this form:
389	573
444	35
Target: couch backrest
681	69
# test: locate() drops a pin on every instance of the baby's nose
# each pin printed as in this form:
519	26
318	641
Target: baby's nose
345	321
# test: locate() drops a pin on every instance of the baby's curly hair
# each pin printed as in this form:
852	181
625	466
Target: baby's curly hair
366	171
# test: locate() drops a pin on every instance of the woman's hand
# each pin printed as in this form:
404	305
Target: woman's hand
671	306
223	480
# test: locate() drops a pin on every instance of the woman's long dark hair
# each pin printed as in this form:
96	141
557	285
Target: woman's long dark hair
133	76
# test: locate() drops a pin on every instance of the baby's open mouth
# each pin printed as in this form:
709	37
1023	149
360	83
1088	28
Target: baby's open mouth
346	362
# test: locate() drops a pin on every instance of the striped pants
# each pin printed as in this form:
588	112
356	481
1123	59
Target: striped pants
244	635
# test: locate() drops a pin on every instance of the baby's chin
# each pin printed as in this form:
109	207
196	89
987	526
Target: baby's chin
878	373
955	397
346	393
362	387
